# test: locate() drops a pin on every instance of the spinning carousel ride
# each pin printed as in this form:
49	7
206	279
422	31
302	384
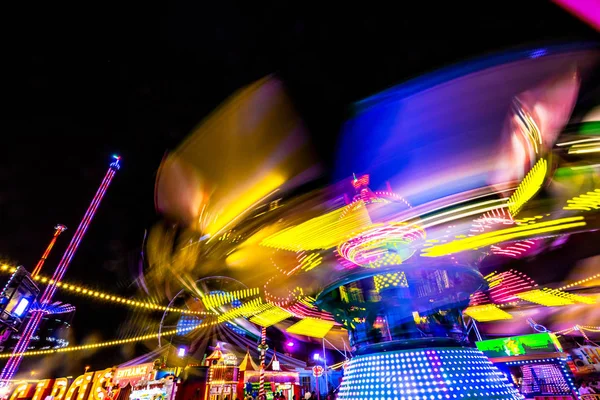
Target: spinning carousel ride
472	163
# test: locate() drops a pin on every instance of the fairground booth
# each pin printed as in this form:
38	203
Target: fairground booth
145	382
277	378
536	364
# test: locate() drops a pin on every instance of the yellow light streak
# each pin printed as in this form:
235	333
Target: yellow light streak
554	297
585	202
244	201
117	342
104	296
579	282
312	327
503	235
397	279
528	187
487	312
270	316
252	307
320	233
219	299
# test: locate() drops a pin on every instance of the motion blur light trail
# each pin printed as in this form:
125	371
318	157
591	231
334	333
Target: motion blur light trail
117	342
503	235
471	153
103	296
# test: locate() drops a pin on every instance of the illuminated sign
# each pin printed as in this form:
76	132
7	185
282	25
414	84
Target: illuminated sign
230	359
538	343
21	307
89	386
137	371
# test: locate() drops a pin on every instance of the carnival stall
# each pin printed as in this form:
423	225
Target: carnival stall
143	382
536	364
222	375
277	378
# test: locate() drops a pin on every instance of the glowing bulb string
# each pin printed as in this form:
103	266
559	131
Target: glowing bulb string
81	290
579	282
579	328
109	343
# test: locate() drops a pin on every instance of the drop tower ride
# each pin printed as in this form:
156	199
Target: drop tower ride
35	318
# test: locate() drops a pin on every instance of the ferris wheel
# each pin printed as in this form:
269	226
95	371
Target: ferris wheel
213	294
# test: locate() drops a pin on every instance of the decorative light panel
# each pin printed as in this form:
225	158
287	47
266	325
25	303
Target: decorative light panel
311	327
383	244
487	312
396	279
585	202
270	316
436	374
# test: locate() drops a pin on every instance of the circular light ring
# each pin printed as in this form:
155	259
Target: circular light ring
295	302
383	244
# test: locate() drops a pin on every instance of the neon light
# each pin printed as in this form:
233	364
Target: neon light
585	202
503	235
528	187
110	343
58	230
320	233
14	361
537	343
21	307
311	327
553	297
395	279
270	317
383	244
488	312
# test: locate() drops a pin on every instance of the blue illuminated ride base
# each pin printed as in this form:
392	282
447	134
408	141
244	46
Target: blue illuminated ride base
437	374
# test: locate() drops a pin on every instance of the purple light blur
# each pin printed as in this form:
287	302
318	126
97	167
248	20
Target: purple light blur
32	325
290	344
316	356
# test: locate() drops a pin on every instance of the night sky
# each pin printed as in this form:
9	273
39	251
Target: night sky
85	82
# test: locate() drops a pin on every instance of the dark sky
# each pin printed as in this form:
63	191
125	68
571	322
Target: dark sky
83	82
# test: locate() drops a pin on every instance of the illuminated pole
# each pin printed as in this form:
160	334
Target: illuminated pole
59	229
34	321
263	349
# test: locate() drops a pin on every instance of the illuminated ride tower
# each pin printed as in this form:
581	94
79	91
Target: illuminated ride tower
404	318
35	318
58	230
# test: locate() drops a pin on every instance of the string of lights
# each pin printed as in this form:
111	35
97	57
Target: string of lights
117	342
581	329
579	282
84	291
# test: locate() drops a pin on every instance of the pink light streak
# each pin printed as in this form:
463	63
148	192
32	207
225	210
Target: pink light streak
586	10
